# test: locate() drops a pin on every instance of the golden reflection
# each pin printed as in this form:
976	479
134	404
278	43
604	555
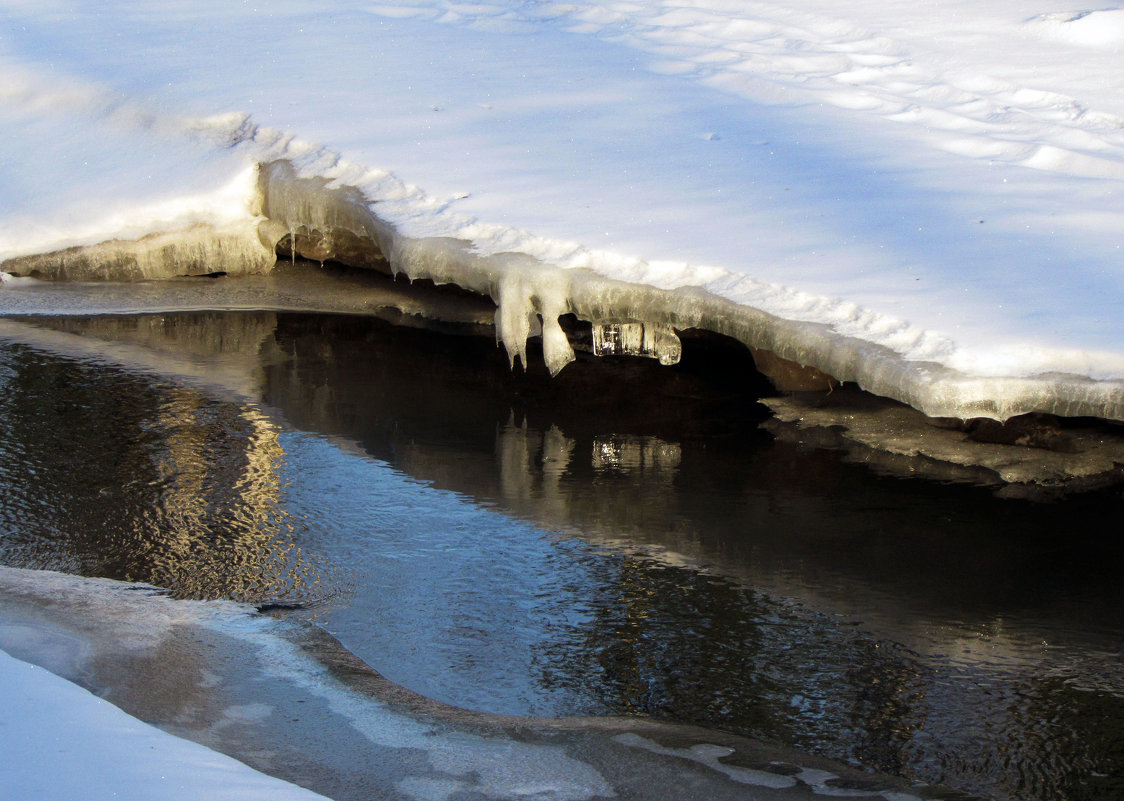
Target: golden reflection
208	518
223	526
544	476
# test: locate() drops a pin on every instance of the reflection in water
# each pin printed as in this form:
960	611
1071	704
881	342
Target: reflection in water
106	473
622	539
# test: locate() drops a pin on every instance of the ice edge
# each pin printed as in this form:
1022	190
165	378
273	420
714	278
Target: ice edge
338	223
117	630
326	218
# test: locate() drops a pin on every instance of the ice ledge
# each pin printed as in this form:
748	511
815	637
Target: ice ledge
199	249
531	295
1051	457
322	220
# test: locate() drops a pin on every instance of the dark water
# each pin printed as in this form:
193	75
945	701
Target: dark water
623	539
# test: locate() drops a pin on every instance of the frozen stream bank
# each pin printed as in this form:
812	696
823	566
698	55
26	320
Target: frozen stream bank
642	316
923	201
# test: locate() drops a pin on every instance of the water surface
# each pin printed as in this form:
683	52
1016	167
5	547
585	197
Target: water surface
621	540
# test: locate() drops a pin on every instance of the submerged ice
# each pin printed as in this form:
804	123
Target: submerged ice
818	184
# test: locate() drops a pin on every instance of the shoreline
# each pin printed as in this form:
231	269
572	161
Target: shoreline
237	673
346	416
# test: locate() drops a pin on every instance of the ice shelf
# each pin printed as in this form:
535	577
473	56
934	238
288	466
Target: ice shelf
922	201
319	220
531	295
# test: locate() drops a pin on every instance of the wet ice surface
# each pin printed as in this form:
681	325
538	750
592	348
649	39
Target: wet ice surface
71	744
284	697
516	545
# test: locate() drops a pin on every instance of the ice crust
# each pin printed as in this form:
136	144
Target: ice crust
923	201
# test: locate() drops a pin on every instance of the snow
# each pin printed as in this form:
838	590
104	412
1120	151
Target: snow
924	199
60	741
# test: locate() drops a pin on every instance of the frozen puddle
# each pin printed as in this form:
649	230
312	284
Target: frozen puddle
284	698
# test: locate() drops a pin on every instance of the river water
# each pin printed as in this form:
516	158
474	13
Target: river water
623	539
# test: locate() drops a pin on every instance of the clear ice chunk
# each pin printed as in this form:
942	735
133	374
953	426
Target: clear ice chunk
630	338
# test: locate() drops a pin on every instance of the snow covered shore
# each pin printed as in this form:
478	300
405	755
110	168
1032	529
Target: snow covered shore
60	741
923	200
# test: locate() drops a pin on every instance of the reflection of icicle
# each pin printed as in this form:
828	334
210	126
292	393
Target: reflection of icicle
557	449
637	339
515	449
533	466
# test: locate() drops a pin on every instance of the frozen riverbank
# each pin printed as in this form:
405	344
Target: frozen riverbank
923	201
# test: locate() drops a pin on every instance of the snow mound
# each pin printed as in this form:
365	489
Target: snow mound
1103	28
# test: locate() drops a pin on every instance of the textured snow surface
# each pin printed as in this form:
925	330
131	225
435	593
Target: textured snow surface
60	741
923	198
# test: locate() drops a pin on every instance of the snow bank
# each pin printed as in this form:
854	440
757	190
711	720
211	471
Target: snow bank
60	741
923	200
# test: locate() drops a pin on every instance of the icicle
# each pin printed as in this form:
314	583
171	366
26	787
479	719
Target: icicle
514	315
616	339
556	348
661	342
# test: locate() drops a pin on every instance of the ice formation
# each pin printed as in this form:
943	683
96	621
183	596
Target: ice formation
923	201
